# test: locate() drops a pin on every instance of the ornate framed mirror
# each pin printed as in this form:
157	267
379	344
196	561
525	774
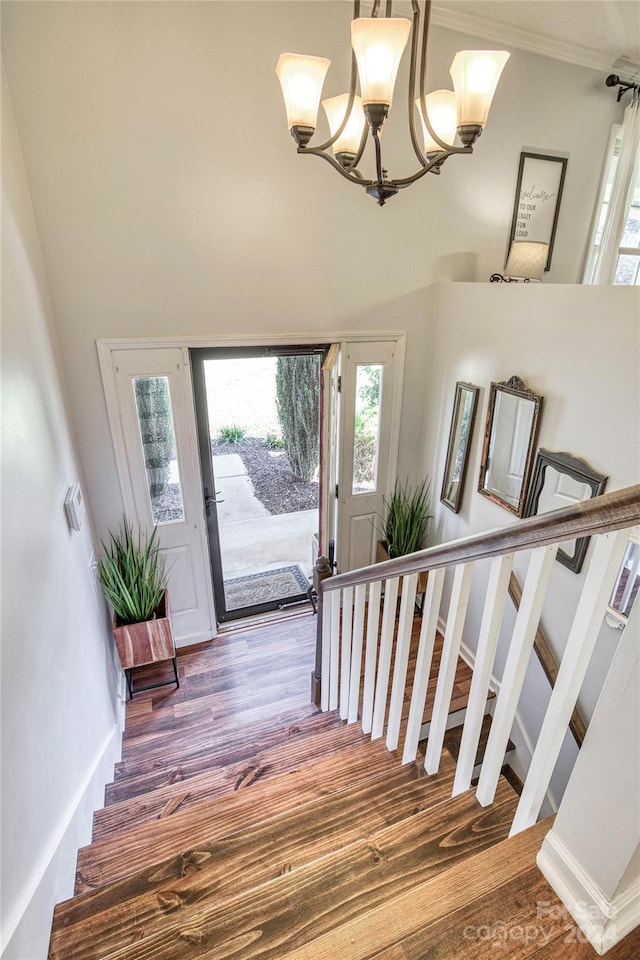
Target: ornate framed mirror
455	468
560	480
509	441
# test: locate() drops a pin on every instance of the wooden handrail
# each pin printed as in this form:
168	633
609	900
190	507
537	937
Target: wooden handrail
610	511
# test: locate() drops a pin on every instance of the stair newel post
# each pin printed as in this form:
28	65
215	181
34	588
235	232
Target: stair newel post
321	571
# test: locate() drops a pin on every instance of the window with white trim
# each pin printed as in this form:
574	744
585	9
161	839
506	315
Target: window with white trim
628	262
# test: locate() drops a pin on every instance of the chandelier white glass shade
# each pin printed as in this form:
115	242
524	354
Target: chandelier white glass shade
378	44
301	79
348	138
441	109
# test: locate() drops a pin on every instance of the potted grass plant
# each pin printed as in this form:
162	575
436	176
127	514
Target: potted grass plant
406	523
133	577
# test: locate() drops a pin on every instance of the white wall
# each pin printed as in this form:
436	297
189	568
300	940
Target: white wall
59	734
578	347
170	199
591	856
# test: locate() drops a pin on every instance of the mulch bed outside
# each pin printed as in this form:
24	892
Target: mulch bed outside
277	488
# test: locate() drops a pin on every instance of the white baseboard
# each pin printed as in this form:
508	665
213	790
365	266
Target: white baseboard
27	926
604	922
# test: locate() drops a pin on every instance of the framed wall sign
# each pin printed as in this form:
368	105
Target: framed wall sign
537	201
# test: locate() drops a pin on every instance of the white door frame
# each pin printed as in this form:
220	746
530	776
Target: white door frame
107	347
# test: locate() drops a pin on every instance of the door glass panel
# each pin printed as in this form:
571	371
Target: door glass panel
366	435
155	418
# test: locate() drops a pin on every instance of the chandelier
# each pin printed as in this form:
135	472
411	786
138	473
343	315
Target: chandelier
378	43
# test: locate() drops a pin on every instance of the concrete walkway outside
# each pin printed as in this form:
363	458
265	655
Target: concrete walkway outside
251	539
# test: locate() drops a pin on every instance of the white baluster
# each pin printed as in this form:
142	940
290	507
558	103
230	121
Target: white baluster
605	563
446	676
356	652
384	660
327	602
497	589
423	663
527	620
345	650
403	643
334	665
371	654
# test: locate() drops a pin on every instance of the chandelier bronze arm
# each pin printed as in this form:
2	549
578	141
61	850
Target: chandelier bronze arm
354	176
349	173
417	149
352	91
423	72
436	161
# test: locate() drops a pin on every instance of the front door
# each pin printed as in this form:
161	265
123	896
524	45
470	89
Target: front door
258	415
151	414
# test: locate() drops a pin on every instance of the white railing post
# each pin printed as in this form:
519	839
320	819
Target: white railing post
423	663
605	563
356	652
327	605
371	654
334	665
403	643
533	595
345	650
384	660
446	675
497	589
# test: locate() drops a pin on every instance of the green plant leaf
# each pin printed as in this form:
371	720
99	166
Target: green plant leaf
132	574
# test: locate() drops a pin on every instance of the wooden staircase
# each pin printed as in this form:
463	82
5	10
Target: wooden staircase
294	836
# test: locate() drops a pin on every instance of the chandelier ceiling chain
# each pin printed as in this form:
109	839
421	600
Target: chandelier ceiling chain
378	43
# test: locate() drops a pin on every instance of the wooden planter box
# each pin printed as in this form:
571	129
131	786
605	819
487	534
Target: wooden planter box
148	642
382	554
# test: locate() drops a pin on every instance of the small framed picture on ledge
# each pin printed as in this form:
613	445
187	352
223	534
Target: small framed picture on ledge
537	201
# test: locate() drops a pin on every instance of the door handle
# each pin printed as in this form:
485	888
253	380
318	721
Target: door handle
208	500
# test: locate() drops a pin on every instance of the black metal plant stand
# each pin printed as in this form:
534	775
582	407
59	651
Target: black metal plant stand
151	686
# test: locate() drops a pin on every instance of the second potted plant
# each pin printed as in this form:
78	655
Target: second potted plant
406	524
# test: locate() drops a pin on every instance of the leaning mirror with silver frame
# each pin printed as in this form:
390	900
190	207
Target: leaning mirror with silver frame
462	420
560	480
509	441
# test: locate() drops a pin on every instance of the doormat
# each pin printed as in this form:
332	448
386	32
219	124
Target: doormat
283	583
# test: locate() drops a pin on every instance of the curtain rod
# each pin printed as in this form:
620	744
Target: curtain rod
613	80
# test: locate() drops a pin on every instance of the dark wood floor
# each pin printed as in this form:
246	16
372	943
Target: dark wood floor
243	824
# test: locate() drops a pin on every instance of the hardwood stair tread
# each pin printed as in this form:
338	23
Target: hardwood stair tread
336	770
287	754
297	906
385	926
198	739
227	865
114	857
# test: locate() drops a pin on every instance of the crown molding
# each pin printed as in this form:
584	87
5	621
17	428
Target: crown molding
502	33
